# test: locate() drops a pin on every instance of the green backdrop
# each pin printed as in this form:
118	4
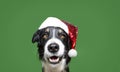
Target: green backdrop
98	42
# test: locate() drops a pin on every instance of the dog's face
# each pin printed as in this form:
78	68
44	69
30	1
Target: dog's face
53	44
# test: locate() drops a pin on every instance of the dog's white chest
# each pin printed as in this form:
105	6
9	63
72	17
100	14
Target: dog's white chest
54	68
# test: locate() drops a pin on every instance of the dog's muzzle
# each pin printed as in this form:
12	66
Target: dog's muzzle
54	51
54	48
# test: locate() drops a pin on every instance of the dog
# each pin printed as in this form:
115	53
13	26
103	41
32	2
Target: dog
53	46
56	41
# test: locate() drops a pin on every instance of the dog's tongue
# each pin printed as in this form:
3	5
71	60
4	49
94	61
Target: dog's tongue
54	57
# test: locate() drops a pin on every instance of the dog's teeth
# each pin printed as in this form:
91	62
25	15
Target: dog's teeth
57	59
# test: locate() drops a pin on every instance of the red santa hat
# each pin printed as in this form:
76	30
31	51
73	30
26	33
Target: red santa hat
71	30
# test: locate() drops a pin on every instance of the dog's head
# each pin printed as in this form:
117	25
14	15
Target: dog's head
53	44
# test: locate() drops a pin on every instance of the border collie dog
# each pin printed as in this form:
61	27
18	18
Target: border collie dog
53	47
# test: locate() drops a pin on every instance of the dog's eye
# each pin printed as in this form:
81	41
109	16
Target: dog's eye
62	36
45	36
47	30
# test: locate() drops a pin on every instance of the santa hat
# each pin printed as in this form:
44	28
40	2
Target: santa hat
71	30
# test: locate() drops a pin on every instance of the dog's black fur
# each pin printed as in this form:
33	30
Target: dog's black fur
43	35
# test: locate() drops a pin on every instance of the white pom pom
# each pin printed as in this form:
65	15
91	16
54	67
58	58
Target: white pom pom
72	53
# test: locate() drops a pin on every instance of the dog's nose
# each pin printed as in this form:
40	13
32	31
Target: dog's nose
53	48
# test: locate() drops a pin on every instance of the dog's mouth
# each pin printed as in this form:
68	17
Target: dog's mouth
54	59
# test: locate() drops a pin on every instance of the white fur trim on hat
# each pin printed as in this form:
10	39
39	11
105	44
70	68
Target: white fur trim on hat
55	22
72	53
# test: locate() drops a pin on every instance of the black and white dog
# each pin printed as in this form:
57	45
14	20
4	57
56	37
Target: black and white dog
56	42
53	47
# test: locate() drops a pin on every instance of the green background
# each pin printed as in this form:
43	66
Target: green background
98	42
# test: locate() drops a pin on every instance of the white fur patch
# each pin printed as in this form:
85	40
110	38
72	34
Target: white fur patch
54	67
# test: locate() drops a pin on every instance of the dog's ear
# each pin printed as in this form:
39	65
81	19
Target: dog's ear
35	37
